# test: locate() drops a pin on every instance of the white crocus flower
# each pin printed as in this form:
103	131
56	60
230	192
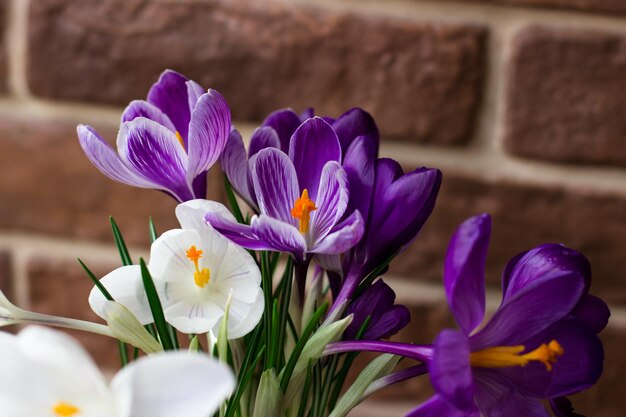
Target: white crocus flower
195	270
45	373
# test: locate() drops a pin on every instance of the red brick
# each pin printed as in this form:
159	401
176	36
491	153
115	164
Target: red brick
421	81
61	288
566	96
4	16
48	186
524	216
593	6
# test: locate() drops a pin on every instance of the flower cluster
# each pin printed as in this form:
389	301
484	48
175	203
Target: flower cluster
276	295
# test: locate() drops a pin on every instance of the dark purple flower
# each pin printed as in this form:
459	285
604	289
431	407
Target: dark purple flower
537	346
302	198
377	303
167	142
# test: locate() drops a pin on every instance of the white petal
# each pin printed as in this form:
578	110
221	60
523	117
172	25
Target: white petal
238	272
243	318
168	255
126	287
190	214
173	384
193	315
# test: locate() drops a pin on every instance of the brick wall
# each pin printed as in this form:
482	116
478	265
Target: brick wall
521	103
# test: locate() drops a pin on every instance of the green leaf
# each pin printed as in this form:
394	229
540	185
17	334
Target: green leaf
312	351
222	335
153	232
125	326
119	242
380	366
243	383
269	397
232	201
194	344
155	307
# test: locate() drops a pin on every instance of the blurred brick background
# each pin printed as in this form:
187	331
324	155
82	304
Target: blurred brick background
521	103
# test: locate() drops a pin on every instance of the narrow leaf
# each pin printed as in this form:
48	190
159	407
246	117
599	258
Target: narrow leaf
155	307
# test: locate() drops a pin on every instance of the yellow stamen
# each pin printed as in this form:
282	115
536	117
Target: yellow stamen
302	209
64	409
201	277
506	356
180	139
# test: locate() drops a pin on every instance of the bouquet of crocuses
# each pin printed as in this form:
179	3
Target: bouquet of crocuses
260	309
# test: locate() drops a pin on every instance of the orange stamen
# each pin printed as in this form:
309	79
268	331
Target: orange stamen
507	356
201	277
302	209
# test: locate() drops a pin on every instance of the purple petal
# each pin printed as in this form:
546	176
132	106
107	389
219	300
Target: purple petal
194	92
169	94
107	160
238	233
373	302
562	407
508	270
436	406
420	353
530	311
450	370
307	114
354	123
359	163
593	312
235	165
153	152
389	323
498	397
208	133
263	137
331	202
545	262
464	274
284	122
280	236
140	108
275	184
342	237
313	144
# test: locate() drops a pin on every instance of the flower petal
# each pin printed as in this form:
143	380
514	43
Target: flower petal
242	317
107	161
331	202
354	123
450	370
594	312
190	214
168	259
284	122
154	153
238	272
141	108
314	144
208	133
359	163
235	164
530	311
278	235
275	184
263	137
126	287
436	406
169	94
342	237
194	92
464	274
192	315
170	384
237	233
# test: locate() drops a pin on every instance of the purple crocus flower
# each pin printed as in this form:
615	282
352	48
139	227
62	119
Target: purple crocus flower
167	142
302	198
377	303
537	345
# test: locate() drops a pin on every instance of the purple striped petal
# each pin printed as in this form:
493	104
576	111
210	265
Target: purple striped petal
194	92
436	406
275	184
450	370
284	122
530	311
593	312
331	202
208	133
352	124
263	137
169	94
107	160
313	144
153	152
279	236
141	108
497	396
238	233
235	165
342	237
545	262
359	163
464	273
